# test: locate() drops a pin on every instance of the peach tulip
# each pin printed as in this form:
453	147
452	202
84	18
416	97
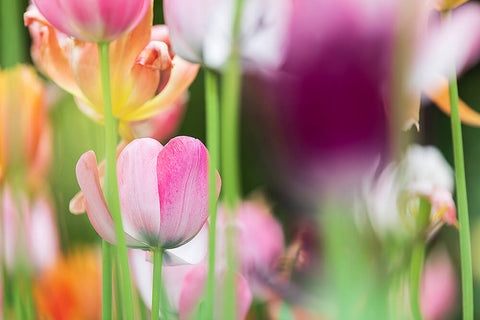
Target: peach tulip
93	20
163	192
146	77
25	134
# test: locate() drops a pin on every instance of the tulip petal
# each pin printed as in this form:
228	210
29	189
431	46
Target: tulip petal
182	75
455	41
98	214
137	183
193	288
48	54
441	97
183	189
192	252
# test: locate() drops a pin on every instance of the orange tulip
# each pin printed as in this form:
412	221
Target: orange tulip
146	77
71	288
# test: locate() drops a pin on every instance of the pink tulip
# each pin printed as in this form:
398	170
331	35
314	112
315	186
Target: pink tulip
29	231
163	192
439	287
206	36
193	288
93	20
260	244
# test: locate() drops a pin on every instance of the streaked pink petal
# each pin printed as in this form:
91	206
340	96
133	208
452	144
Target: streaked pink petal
183	189
137	183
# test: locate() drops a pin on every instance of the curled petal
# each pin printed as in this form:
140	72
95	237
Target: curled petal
155	56
182	75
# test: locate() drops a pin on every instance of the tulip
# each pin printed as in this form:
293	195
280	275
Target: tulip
93	21
260	244
193	288
71	288
336	90
25	134
163	192
146	77
207	36
392	198
438	290
29	230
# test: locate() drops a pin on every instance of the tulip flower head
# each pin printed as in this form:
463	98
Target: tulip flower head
207	36
163	192
30	233
25	134
260	243
146	77
71	288
393	198
93	20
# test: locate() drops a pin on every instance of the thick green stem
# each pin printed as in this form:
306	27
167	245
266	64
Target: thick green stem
110	183
106	280
414	279
460	181
232	77
11	38
157	282
213	135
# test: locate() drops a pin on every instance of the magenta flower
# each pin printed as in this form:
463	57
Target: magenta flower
163	192
93	20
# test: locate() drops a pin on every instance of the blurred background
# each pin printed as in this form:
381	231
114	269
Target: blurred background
76	134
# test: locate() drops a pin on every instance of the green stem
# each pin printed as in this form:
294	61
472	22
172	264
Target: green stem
414	279
213	134
460	181
11	37
157	282
230	154
110	183
106	280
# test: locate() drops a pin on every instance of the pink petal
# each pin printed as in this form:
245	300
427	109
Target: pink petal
137	183
193	287
93	20
100	218
183	190
438	292
455	41
142	273
192	252
43	243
